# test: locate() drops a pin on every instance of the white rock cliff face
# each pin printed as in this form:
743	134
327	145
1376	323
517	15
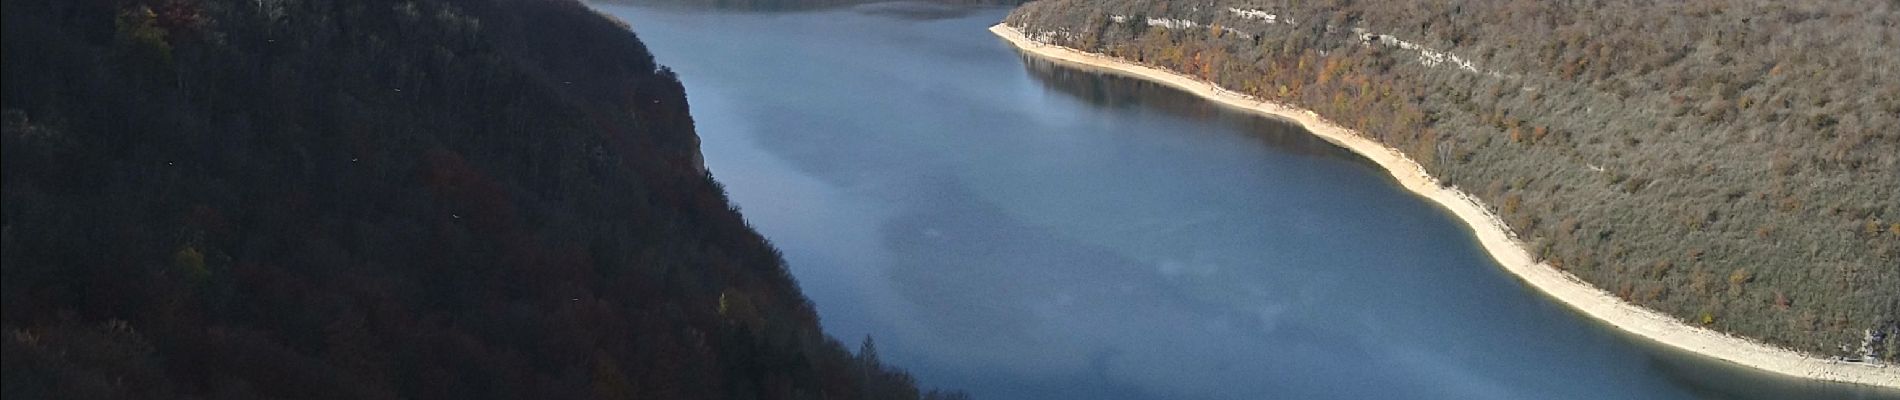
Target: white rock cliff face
1259	15
1427	56
1171	23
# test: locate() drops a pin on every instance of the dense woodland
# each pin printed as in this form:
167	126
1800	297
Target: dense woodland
1733	163
362	199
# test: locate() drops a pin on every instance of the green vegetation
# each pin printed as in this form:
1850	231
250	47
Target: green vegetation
375	200
1733	163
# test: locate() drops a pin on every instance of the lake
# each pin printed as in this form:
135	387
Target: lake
1022	230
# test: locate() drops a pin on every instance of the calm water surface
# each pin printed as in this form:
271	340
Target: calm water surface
1023	230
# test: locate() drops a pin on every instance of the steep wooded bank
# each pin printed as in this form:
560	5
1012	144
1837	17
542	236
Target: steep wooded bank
1735	164
367	199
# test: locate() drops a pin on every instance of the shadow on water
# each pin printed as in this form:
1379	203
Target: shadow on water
900	9
737	6
916	10
1114	91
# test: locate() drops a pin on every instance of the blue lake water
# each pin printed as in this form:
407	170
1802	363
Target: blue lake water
1023	230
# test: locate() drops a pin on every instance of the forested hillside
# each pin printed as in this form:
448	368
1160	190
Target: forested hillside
361	199
1733	163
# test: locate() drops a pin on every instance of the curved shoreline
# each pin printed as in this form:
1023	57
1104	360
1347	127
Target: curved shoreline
1492	233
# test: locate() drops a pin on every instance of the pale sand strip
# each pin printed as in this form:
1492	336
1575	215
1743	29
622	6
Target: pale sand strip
1492	234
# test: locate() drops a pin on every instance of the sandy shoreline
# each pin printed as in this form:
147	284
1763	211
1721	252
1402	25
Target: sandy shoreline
1496	239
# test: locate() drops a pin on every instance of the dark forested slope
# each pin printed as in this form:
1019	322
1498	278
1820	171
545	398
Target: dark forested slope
1734	163
373	199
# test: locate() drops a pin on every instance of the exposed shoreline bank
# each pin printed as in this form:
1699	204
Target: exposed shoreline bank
1494	236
